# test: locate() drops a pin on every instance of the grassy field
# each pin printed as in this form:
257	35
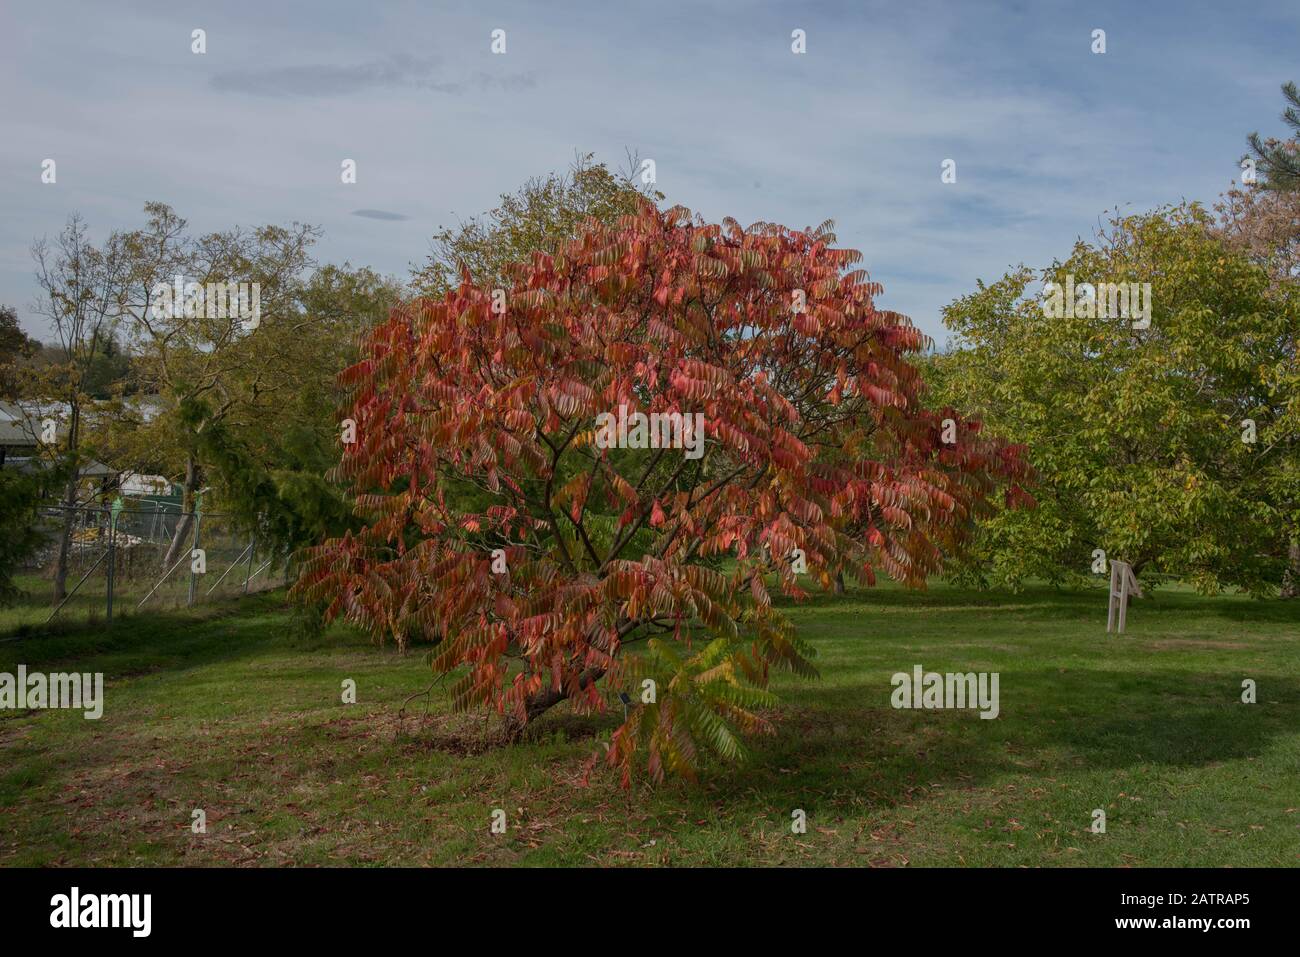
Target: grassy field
224	708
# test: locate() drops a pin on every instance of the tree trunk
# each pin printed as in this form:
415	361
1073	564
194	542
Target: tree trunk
1291	577
69	503
839	583
182	533
65	539
548	698
542	702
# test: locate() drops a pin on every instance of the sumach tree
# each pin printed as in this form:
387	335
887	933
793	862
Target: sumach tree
584	570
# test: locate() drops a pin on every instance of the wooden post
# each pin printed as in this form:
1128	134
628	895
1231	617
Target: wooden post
1123	584
1123	600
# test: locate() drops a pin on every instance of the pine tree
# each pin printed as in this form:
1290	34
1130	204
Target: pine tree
1279	160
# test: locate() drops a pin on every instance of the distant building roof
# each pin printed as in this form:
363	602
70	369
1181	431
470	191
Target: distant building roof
20	425
94	469
90	469
17	433
135	484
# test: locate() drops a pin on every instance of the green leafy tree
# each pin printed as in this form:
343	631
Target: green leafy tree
542	214
267	464
213	359
16	347
81	290
1172	447
21	496
1264	225
109	373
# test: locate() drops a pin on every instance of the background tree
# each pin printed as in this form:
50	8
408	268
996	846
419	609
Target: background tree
817	449
82	287
16	347
21	492
267	462
21	495
1137	435
215	366
1279	160
1264	225
1262	221
110	372
541	215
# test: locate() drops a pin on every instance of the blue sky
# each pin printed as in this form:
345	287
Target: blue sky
1046	135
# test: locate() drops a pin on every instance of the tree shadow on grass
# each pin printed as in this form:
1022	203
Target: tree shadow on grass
844	754
1053	720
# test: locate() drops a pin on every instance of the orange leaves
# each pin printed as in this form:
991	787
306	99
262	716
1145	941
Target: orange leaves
495	527
732	438
622	489
574	494
622	353
883	397
570	397
785	459
896	515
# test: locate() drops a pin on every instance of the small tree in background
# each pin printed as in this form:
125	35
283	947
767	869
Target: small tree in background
22	493
649	569
82	288
206	359
542	214
16	348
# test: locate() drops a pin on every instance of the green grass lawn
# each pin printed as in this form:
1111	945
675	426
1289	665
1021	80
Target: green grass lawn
226	709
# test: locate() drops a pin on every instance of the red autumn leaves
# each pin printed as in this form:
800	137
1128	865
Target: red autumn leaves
643	568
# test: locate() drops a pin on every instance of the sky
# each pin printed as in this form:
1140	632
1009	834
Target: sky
1046	135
